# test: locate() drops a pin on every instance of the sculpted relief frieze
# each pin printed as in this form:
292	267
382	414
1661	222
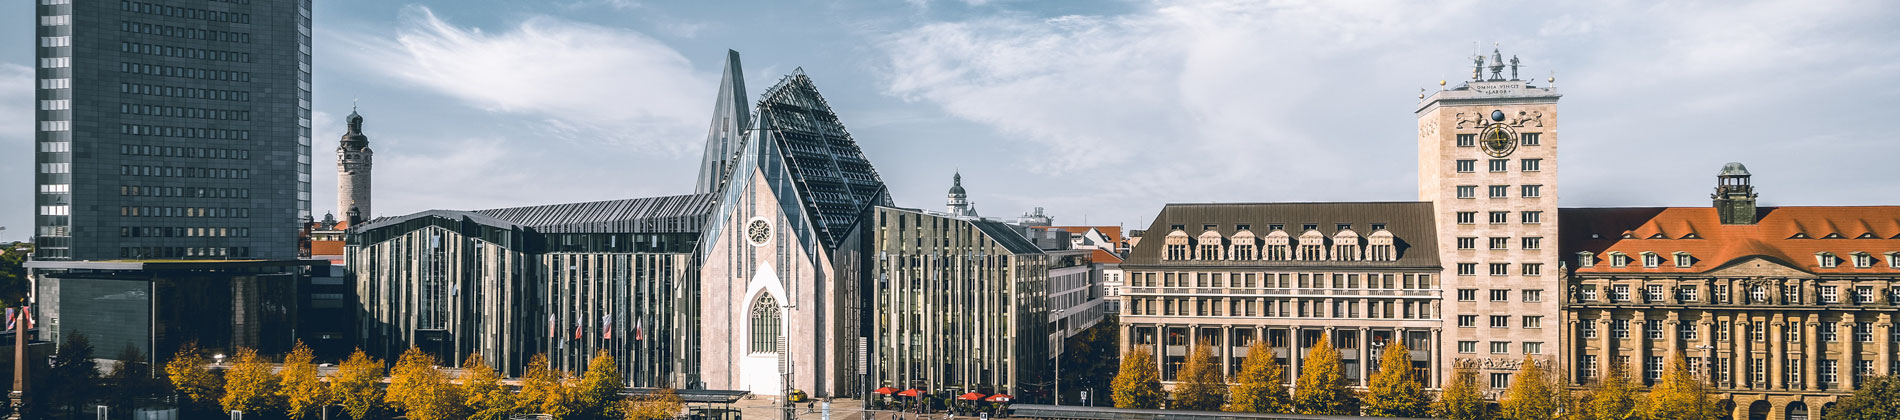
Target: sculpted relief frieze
1491	363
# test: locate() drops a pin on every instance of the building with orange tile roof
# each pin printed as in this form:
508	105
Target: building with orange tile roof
1789	308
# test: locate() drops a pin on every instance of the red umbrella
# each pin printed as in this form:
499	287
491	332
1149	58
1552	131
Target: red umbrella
909	393
886	390
999	398
971	396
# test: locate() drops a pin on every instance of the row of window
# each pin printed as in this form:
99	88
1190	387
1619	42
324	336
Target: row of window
1761	294
1502	217
1528	242
1285	308
1524	139
56	168
146	191
183	92
1501	347
186	12
1501	321
217	212
1501	191
186	132
183	232
1386	281
190	152
56	41
1501	269
1826	332
183	252
181	52
1502	295
184	112
184	33
1345	245
185	72
56	83
1758	369
1500	165
182	172
60	210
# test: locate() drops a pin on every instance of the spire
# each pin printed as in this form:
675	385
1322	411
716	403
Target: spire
730	120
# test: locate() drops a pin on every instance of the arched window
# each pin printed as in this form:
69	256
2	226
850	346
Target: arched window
1177	244
1312	246
765	325
1380	246
1244	245
1210	246
1346	245
1278	246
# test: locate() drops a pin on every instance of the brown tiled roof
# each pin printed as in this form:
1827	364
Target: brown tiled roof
1102	256
1790	235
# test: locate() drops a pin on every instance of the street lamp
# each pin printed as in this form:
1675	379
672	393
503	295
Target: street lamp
1708	355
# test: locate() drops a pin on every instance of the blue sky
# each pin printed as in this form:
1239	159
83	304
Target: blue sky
1097	111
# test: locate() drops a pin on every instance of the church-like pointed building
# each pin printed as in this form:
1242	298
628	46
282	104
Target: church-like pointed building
727	133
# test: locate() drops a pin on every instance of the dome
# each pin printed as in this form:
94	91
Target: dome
1733	169
956	185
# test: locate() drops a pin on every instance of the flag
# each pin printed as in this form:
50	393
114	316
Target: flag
578	330
551	328
607	327
11	317
638	334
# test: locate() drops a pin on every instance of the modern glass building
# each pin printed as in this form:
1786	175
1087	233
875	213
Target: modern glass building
174	130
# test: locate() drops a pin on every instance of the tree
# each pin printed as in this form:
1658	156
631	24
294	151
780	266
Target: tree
1199	385
420	390
1138	383
131	381
599	393
1394	390
13	281
250	385
73	381
662	404
303	392
1612	398
1261	385
1877	399
1461	399
191	376
356	385
543	390
1322	387
1532	395
1680	395
482	392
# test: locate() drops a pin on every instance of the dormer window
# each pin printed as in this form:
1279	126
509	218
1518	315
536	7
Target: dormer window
1177	245
1379	246
1277	246
1619	260
1658	235
1346	245
1683	260
1893	259
1586	259
1312	246
1244	246
1863	260
1210	248
1651	260
1827	260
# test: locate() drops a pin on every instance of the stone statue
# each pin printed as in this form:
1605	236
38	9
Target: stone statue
1477	70
1514	67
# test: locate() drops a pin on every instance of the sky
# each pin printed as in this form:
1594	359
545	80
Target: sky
1099	112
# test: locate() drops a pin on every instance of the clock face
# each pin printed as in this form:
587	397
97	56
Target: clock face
1498	141
759	231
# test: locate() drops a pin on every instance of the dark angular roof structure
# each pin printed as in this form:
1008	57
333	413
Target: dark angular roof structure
800	137
670	214
727	134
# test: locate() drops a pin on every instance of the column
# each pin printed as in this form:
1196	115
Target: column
1639	343
1365	351
1293	353
1226	350
1738	347
1883	334
1777	351
1435	348
1673	335
1606	340
1811	335
1127	338
1850	352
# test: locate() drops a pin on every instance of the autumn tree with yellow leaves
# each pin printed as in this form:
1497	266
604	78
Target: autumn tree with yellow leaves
250	385
598	397
192	378
1138	383
1532	395
303	392
661	404
1612	398
1461	399
421	390
1394	390
1260	387
356	385
1322	386
482	391
1680	395
1200	386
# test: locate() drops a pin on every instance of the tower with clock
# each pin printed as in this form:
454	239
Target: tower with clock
1487	160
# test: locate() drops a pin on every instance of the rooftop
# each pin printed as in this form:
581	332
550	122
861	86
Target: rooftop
1794	236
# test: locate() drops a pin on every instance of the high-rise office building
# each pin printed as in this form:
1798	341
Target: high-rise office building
174	130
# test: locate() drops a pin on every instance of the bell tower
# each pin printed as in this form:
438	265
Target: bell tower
959	203
352	171
1734	198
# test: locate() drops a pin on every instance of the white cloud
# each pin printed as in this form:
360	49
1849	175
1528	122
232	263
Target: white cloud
587	82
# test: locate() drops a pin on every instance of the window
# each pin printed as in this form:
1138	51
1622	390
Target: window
1653	329
1532	217
1863	260
1827	260
1830	294
1827	333
1500	321
1686	331
1792	373
1528	139
1589	293
1467	217
1722	331
1498	165
1862	369
1830	371
1500	381
1468	165
1619	260
1533	321
765	320
1467	243
1500	295
1500	347
1533	295
1589	328
1533	347
1500	269
1531	191
1468	321
1533	242
1757	294
1758	331
1653	293
1683	260
1687	293
1467	295
1721	293
1533	269
1500	191
1620	293
1467	140
1651	260
1587	366
1793	332
1758	371
1467	269
1467	191
1620	329
1653	368
1500	243
1864	332
1500	217
1864	294
1530	165
1467	347
1586	259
